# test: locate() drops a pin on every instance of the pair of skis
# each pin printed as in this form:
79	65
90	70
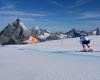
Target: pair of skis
90	50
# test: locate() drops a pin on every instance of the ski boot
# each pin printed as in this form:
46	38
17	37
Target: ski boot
90	50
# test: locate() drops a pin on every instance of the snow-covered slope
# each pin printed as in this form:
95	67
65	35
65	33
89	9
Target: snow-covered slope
70	44
37	62
23	26
18	64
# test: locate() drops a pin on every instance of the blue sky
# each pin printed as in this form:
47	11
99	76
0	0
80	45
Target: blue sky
54	15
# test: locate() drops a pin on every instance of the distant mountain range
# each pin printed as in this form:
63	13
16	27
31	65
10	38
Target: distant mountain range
40	33
18	33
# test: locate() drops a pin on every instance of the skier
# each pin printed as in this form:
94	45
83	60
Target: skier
85	42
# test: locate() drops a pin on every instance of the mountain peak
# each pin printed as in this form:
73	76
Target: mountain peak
15	33
36	27
18	22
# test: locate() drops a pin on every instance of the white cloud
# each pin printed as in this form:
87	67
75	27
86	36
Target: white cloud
7	7
55	2
75	3
89	15
29	18
21	13
79	3
8	4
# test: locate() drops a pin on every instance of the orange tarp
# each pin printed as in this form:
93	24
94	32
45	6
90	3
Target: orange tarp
34	40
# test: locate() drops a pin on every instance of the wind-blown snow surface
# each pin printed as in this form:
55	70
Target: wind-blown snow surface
69	45
37	62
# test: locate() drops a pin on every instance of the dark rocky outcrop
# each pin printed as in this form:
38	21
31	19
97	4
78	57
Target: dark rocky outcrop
40	33
15	33
75	33
57	36
94	32
44	35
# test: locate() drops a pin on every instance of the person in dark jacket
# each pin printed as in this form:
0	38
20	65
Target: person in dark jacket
85	41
